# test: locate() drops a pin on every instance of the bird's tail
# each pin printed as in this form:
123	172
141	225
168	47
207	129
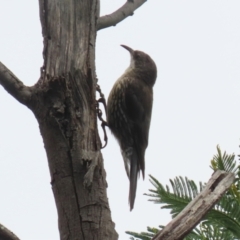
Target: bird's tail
134	169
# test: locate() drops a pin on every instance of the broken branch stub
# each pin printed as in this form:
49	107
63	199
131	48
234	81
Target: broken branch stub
194	212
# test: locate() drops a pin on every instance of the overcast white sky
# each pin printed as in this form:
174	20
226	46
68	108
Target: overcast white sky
196	46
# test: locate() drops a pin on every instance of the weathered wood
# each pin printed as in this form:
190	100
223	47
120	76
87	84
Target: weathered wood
65	107
13	85
120	14
192	214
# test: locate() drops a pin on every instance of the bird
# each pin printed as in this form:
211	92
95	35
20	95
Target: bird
129	110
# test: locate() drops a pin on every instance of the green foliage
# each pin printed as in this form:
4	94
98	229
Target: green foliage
221	222
183	191
145	235
224	162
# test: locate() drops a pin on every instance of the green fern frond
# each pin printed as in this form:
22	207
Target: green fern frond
223	220
235	190
215	232
145	235
230	205
182	188
224	162
183	191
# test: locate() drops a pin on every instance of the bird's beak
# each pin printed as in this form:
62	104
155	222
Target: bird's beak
128	48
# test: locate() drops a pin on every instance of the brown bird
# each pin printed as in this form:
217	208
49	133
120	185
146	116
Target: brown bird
129	110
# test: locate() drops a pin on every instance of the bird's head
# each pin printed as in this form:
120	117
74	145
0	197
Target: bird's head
144	64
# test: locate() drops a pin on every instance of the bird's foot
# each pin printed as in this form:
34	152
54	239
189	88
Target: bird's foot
99	114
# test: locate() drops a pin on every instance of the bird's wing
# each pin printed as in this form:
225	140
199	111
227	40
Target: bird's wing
138	104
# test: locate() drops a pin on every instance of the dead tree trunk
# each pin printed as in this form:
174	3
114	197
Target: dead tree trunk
63	102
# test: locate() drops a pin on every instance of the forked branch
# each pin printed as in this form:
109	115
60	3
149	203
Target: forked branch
193	213
13	85
123	12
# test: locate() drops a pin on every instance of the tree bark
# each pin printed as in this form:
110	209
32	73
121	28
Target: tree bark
120	14
63	101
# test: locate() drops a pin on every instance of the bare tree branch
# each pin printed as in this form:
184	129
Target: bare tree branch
6	234
13	85
192	214
123	12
